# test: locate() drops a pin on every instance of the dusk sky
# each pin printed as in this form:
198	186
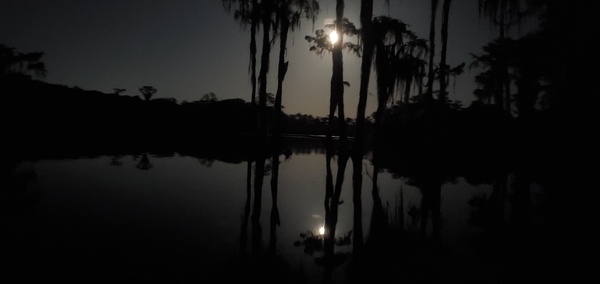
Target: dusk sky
188	48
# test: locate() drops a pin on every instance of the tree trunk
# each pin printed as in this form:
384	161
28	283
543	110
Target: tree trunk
366	21
505	76
443	97
254	26
337	79
429	96
337	99
264	70
282	69
409	81
381	64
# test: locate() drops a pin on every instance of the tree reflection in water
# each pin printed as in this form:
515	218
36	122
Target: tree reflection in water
512	227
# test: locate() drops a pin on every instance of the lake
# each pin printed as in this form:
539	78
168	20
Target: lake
180	217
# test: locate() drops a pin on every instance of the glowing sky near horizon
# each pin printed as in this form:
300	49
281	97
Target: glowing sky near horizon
186	49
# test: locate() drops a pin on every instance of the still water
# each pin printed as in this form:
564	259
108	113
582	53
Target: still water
179	218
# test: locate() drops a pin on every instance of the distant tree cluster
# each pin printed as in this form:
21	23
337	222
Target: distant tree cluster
148	92
13	62
533	72
208	98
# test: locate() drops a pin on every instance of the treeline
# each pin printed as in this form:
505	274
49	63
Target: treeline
50	115
57	114
475	142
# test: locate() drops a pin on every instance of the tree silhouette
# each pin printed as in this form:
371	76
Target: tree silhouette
412	67
208	98
288	16
368	43
259	175
492	80
332	203
13	62
320	44
267	9
443	96
147	92
503	14
144	163
429	94
358	150
527	66
118	91
246	216
453	72
396	59
275	218
248	13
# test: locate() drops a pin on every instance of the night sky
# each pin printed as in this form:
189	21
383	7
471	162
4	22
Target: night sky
188	48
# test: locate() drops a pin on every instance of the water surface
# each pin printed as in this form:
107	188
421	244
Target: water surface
184	218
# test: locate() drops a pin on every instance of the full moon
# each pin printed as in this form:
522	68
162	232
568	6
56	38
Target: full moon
333	37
